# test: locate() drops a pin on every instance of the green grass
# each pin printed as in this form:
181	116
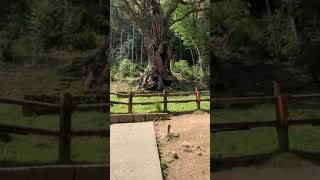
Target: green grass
34	149
263	140
172	107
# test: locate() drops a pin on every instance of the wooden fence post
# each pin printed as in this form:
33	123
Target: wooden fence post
165	101
65	128
169	129
198	98
282	117
130	102
27	110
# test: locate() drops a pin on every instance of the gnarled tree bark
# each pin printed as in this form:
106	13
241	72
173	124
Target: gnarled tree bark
95	70
157	75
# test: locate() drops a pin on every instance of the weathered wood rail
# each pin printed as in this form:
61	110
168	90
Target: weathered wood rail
83	103
65	133
99	171
165	95
281	122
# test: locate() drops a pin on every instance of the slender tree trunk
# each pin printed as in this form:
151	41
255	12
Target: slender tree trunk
292	20
128	53
141	51
95	69
200	58
132	48
180	49
111	45
274	33
121	43
193	63
136	52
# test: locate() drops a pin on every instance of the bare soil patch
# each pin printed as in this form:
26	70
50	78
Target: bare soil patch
185	151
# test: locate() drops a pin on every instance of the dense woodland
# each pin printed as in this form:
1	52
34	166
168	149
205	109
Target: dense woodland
41	25
65	35
256	42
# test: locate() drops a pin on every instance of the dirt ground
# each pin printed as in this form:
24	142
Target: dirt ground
185	152
285	166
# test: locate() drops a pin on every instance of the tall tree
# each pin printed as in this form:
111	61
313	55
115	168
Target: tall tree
154	19
194	31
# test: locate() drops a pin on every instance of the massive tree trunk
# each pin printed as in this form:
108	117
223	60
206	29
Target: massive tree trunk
95	70
157	75
154	23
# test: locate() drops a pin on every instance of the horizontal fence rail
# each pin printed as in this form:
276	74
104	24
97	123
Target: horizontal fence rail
27	130
244	100
22	102
165	95
65	107
282	122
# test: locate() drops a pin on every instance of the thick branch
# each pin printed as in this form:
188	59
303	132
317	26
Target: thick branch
135	16
187	14
175	5
171	9
189	3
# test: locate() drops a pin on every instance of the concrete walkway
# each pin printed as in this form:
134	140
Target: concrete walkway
133	152
303	173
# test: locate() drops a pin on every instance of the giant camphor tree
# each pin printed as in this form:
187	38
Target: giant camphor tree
154	19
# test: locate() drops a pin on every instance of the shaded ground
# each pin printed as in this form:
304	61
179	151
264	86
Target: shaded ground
282	166
18	80
185	151
43	77
252	173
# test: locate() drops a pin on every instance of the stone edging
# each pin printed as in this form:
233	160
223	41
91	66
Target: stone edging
137	117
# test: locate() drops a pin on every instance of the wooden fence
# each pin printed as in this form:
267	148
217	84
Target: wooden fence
55	172
165	100
65	132
29	111
281	122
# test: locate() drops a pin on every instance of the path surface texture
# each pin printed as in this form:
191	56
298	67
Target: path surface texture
133	152
186	150
251	173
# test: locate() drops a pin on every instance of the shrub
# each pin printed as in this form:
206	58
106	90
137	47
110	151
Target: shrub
113	71
187	72
17	50
56	23
127	68
47	22
114	68
5	43
84	40
179	66
25	49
